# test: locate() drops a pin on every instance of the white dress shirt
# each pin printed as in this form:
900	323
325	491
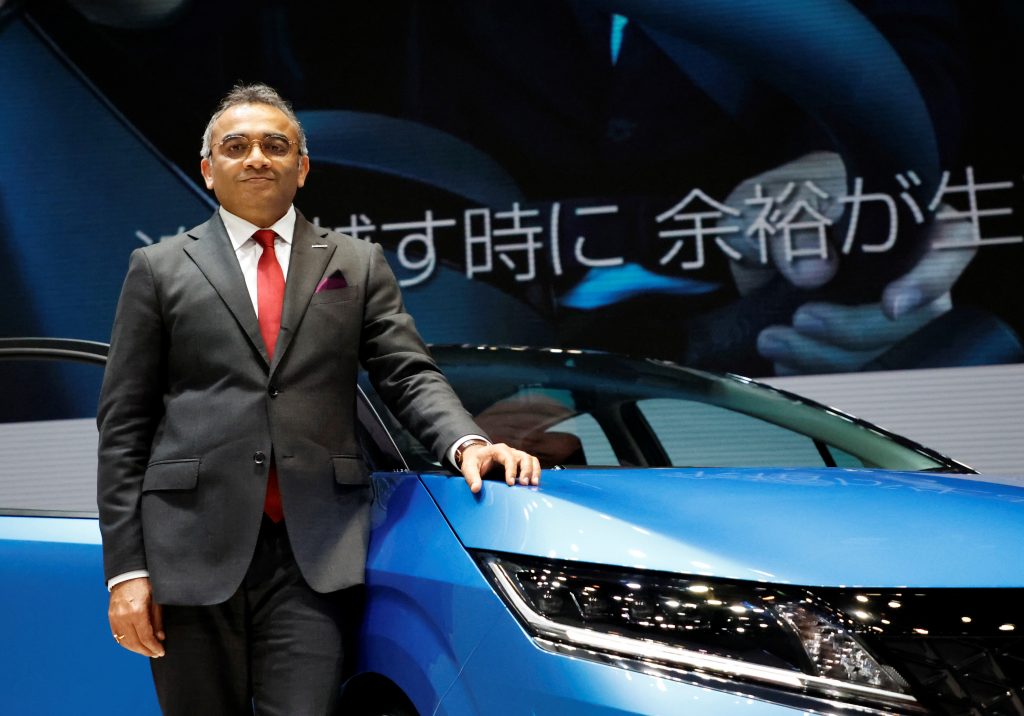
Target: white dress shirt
248	253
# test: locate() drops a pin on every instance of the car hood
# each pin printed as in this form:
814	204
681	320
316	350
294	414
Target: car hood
812	527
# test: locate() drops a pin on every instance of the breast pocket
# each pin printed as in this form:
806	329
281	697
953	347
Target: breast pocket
335	295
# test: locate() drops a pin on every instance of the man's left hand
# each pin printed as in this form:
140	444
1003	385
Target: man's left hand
480	459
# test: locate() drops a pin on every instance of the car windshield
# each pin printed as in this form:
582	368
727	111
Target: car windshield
574	408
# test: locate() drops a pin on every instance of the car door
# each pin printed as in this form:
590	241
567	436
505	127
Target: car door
56	650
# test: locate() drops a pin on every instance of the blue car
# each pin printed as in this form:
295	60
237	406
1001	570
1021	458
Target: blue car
699	544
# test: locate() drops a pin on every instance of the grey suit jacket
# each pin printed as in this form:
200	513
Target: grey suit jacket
191	411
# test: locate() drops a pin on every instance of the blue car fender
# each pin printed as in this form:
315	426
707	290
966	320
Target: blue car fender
428	605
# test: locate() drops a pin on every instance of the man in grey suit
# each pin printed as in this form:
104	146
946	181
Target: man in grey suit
233	498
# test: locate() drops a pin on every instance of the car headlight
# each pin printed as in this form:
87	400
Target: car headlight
769	641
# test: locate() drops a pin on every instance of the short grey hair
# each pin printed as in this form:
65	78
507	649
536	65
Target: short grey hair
257	93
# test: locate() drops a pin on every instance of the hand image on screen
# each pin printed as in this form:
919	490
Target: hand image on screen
825	337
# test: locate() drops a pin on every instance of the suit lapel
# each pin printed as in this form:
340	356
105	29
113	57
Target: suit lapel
212	253
305	267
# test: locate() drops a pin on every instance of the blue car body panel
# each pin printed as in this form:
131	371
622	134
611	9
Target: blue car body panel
428	606
842	527
58	654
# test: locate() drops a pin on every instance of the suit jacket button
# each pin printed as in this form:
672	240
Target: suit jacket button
259	458
274	392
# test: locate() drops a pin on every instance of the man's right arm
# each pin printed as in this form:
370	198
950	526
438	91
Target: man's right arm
130	407
131	404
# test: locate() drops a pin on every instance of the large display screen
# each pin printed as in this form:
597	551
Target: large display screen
770	188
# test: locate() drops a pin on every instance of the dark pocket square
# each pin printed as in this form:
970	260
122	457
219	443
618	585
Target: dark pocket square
333	282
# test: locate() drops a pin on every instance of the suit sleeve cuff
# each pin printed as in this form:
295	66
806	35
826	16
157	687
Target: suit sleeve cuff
464	438
134	574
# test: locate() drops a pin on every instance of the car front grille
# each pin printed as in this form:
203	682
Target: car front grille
960	675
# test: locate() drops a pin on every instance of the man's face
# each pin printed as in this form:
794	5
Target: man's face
257	187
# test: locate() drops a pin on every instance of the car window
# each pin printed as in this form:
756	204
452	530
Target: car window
572	408
552	424
700	434
48	436
594	446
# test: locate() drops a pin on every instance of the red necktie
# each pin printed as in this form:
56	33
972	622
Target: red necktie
269	301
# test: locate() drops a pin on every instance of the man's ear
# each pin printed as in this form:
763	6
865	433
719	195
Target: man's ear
303	169
207	171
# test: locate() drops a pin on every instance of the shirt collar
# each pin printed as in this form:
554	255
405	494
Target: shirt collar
239	230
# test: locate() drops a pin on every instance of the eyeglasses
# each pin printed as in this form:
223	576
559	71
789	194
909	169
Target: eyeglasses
238	147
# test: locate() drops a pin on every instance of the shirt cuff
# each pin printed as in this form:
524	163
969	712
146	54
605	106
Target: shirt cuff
134	574
464	438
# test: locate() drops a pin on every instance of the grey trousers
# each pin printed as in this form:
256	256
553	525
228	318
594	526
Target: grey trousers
275	648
